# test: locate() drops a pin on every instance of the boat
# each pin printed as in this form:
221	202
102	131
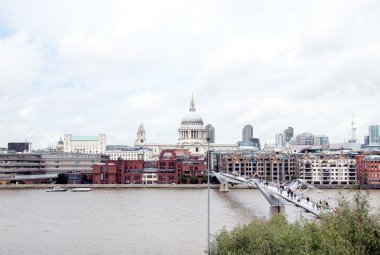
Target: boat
57	189
81	190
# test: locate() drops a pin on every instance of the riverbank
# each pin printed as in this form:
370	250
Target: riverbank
120	186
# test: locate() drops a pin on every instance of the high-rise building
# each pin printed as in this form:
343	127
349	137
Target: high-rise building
289	133
321	140
280	139
210	130
247	133
374	137
366	140
305	139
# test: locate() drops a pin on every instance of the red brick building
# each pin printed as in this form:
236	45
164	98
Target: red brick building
368	169
131	171
167	170
168	167
193	171
105	173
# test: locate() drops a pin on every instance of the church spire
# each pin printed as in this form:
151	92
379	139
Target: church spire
140	138
141	128
192	104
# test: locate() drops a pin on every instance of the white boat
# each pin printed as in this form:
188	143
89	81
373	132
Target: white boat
81	190
57	189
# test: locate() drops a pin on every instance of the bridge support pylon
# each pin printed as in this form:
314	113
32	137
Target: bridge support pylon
276	209
223	187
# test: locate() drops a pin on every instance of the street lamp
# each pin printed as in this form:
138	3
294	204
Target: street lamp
208	195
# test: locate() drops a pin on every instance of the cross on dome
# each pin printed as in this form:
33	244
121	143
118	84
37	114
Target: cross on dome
192	104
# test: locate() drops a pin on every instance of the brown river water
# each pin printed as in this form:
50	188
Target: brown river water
127	221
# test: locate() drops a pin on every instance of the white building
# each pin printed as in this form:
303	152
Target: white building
128	153
326	169
85	144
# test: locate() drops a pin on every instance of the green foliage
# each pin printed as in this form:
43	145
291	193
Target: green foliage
62	179
182	179
350	230
193	180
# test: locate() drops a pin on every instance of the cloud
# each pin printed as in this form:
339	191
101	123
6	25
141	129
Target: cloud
94	67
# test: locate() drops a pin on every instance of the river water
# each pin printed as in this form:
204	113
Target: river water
126	221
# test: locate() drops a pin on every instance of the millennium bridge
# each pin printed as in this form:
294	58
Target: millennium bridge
298	193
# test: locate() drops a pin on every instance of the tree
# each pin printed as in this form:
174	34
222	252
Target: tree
351	229
183	179
62	178
193	180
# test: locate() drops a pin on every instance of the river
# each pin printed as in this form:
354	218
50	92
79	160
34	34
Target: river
126	221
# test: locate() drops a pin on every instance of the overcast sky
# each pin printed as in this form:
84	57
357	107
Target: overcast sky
89	67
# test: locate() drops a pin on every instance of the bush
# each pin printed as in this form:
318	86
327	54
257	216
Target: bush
183	179
349	230
62	179
193	180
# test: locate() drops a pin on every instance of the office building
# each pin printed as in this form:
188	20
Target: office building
289	133
305	139
374	138
280	139
210	130
20	147
247	133
321	140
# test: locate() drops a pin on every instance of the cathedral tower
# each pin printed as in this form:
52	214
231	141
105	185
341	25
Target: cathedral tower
140	139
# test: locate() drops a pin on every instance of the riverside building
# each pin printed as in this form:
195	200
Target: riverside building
266	166
23	168
77	166
128	153
167	170
368	169
327	169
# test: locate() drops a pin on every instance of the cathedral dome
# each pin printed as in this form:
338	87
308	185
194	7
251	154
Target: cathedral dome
192	118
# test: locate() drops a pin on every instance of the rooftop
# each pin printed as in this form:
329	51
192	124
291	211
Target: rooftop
84	138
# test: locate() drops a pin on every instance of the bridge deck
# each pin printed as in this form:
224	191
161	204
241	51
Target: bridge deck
310	206
274	195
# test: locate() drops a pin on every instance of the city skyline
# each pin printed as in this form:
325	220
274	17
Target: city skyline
111	66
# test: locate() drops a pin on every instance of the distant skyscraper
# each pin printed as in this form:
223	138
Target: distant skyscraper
374	137
366	140
321	140
289	133
210	130
280	139
305	139
247	133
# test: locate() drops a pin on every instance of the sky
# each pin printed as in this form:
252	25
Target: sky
89	67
